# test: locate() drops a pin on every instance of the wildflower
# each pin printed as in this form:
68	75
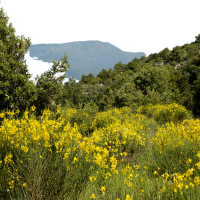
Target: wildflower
198	155
155	173
137	166
33	108
58	110
2	115
24	184
103	188
129	184
198	165
92	178
189	161
8	159
163	189
24	148
75	159
128	197
93	196
175	190
192	184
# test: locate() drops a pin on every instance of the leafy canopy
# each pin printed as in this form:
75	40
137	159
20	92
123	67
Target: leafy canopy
17	91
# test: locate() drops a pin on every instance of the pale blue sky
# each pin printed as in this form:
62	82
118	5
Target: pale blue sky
136	26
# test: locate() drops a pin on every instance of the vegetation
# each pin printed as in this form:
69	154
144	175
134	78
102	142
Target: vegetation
160	78
127	156
16	90
131	132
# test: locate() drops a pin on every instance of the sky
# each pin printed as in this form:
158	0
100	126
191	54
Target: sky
146	26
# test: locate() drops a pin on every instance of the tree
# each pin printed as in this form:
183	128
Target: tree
86	78
49	86
196	107
197	39
129	96
16	90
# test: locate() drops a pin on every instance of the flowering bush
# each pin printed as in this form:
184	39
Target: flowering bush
165	113
123	158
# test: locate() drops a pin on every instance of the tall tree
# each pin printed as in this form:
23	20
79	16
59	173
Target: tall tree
16	91
49	84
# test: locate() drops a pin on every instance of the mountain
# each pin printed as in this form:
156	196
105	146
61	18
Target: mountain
84	57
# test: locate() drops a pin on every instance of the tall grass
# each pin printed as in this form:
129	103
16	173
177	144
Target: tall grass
111	155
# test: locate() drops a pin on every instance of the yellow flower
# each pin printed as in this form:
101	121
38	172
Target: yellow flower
8	159
163	189
93	196
24	184
192	184
103	188
198	155
33	108
24	148
175	190
189	161
75	159
155	173
128	197
58	110
93	178
129	184
2	115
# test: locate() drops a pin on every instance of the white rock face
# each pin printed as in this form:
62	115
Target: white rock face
37	67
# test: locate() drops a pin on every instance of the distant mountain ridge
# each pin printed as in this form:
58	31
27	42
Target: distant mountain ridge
84	57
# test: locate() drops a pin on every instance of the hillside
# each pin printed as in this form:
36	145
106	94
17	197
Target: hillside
160	78
84	57
126	133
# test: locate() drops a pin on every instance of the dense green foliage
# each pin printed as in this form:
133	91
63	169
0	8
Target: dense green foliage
15	87
164	77
137	148
16	90
160	78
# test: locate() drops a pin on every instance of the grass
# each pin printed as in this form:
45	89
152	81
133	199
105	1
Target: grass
115	154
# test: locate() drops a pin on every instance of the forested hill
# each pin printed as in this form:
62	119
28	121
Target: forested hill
164	77
84	57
